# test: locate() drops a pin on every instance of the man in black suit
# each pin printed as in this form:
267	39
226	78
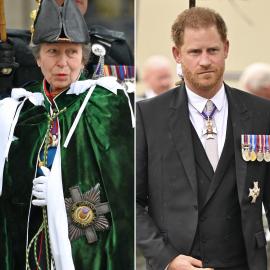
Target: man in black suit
201	177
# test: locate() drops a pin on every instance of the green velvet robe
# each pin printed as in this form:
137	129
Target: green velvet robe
100	151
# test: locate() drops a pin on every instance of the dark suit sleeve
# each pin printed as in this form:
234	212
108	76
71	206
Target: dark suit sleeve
266	195
157	251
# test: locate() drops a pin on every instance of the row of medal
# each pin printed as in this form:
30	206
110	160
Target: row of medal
255	147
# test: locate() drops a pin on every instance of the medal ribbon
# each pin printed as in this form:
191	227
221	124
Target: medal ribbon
254	141
210	116
259	145
246	141
242	140
122	72
250	142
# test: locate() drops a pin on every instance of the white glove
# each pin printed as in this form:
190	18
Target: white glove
40	186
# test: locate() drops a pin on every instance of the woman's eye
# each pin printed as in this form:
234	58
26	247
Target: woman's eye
72	52
51	51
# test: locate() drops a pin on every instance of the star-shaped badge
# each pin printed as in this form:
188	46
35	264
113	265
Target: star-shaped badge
86	213
254	192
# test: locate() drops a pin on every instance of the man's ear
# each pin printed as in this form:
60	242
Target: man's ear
226	48
176	54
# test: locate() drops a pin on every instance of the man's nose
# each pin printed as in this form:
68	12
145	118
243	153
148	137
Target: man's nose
205	59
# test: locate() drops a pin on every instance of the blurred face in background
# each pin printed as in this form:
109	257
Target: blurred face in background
159	80
81	4
158	74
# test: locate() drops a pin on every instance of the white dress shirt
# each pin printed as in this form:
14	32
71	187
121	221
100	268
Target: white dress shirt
196	105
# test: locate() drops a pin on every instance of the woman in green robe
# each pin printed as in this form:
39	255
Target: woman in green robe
67	191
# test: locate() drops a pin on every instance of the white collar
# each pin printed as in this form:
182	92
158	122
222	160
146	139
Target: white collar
110	83
199	102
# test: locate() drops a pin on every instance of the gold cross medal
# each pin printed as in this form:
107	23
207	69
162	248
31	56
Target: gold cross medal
254	192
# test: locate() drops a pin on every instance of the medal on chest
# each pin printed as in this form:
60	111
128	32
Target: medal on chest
209	130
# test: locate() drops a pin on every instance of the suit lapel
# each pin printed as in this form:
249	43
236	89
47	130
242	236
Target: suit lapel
180	130
240	117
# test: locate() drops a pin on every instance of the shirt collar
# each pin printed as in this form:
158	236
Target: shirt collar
199	102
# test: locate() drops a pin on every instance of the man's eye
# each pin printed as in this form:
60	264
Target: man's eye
213	50
194	52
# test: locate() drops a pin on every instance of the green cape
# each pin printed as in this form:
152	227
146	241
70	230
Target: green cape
100	151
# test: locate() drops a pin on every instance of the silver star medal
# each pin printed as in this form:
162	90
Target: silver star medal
254	192
86	213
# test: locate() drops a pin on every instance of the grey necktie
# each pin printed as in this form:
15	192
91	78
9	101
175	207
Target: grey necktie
210	134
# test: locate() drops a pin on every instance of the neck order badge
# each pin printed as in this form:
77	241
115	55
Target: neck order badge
211	146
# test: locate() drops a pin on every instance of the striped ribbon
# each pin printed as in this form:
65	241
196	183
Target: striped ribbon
122	72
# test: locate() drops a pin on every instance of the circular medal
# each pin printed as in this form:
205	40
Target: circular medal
267	156
260	156
253	155
98	50
246	155
83	213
